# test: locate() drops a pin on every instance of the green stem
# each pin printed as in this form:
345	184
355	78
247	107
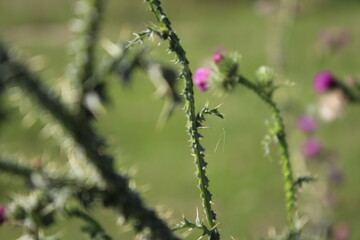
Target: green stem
167	33
290	190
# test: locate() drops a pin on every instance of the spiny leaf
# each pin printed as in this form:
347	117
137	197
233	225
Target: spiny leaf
301	180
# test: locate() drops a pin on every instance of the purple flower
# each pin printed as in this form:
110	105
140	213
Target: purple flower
307	123
334	40
218	56
311	148
201	78
324	81
341	231
2	214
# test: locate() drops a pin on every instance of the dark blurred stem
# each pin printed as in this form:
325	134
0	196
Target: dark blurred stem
21	169
9	166
89	38
279	132
122	197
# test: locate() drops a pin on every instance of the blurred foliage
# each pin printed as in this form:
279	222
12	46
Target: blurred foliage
203	27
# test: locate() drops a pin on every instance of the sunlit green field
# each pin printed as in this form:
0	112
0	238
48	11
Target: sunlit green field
247	187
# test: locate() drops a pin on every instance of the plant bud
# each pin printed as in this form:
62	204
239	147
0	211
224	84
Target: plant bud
265	76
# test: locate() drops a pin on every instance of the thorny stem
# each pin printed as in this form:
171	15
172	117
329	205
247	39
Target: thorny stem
119	194
167	33
54	181
87	73
290	190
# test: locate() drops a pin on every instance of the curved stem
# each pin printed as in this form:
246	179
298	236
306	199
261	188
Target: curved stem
167	33
290	191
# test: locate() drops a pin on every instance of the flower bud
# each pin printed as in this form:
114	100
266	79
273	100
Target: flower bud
265	76
324	81
226	73
218	57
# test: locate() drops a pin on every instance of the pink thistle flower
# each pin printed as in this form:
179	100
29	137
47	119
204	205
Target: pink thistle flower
201	78
311	148
2	214
334	40
324	81
307	123
341	231
218	57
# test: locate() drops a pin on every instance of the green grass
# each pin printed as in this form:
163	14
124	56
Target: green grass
247	187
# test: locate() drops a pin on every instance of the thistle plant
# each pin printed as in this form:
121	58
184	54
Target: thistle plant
225	77
89	178
113	188
166	32
264	89
87	78
334	94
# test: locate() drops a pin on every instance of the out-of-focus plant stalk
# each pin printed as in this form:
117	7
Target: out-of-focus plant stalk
278	34
89	38
84	47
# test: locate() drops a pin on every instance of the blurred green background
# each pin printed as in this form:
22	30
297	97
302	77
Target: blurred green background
247	187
